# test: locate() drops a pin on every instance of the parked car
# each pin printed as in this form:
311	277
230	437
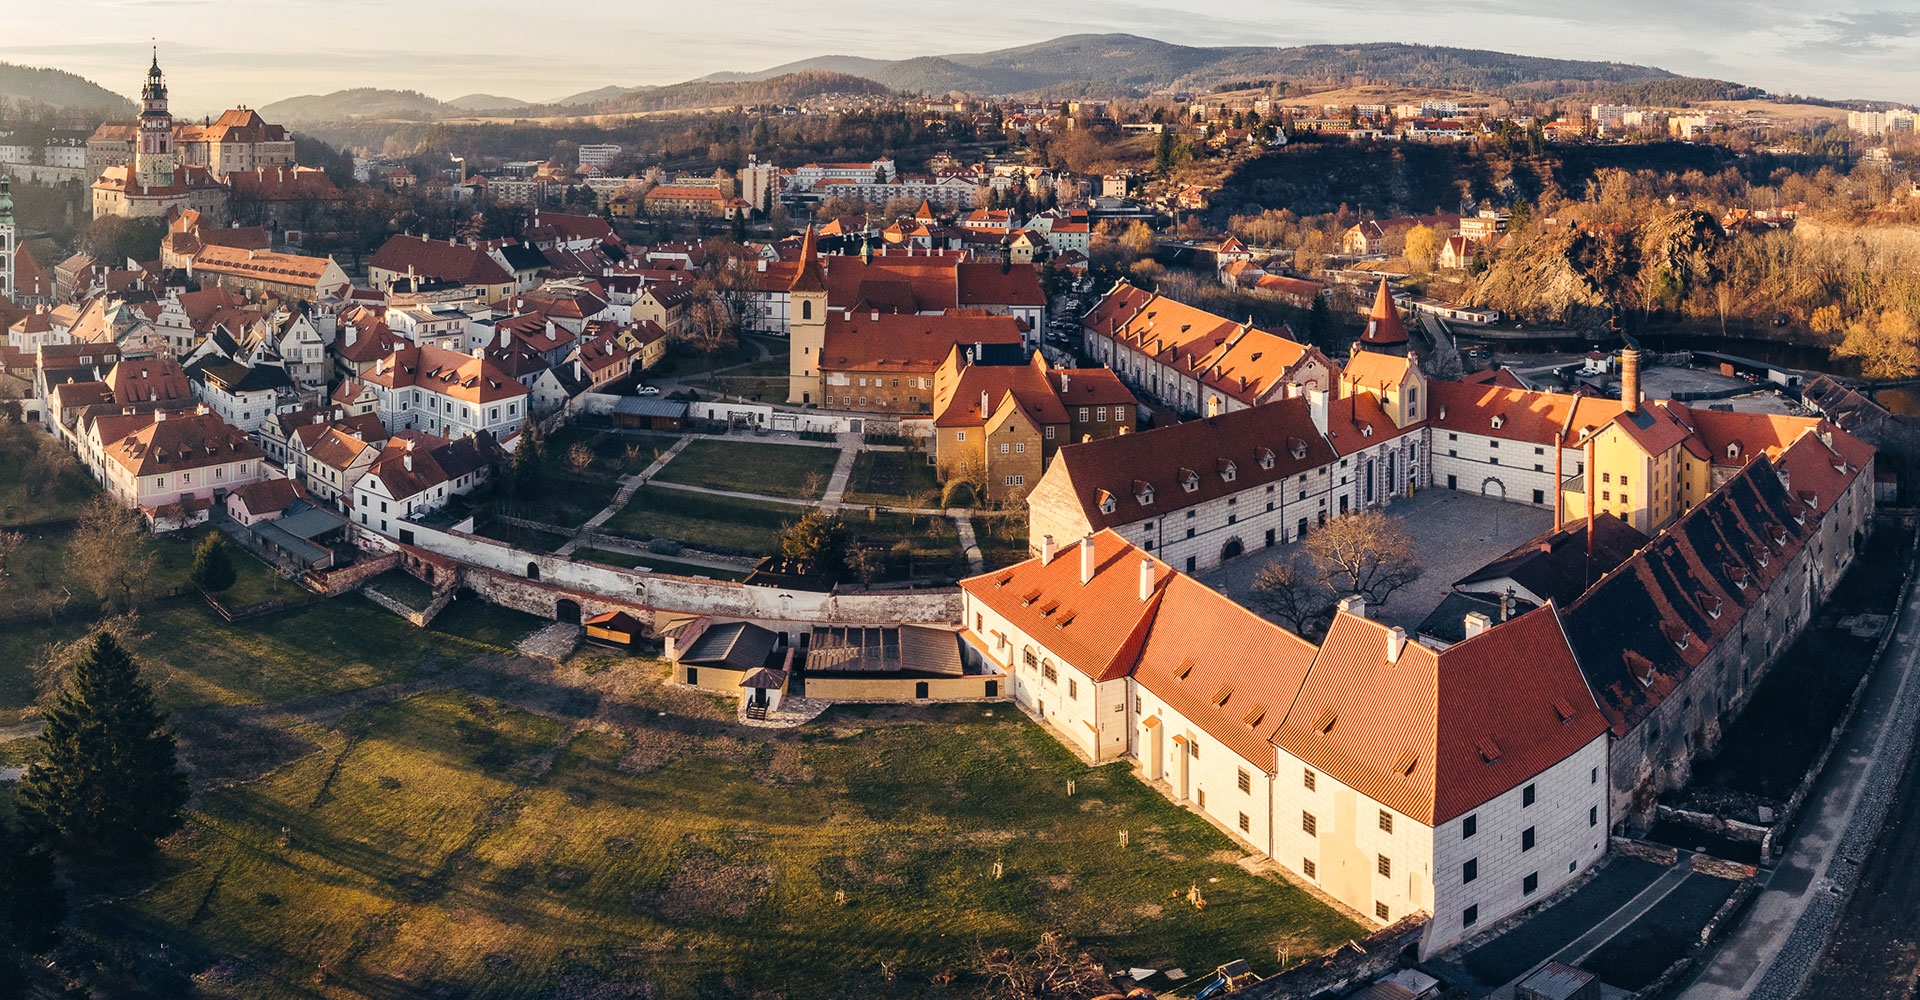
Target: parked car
648	390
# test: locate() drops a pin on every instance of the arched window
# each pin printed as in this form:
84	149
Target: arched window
1027	656
806	309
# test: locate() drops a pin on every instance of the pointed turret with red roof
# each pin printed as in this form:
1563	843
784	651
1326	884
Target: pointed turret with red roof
1384	327
810	278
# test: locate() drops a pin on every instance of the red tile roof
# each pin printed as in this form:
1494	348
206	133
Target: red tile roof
1097	627
908	342
957	403
1384	326
1436	734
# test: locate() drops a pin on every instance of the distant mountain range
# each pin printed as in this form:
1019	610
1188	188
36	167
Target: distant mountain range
1090	65
1140	64
59	89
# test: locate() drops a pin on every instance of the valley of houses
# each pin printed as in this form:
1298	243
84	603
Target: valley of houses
1462	772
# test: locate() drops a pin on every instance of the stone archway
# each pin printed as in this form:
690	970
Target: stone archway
1491	487
567	610
1232	549
533	571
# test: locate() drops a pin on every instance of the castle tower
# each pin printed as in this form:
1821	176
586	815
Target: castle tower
807	324
153	160
7	236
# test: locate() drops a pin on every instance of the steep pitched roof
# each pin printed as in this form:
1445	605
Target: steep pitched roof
1280	434
809	278
1559	564
1240	361
907	341
179	443
957	403
1223	668
1098	626
438	259
1434	735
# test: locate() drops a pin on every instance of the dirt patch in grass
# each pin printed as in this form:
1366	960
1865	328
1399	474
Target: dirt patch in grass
224	745
708	883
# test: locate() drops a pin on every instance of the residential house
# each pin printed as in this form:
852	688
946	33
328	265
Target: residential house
417	474
446	393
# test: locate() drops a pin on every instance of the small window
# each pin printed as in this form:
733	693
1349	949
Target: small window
1469	870
1383	865
1470	915
1309	825
1593	815
1380	910
1530	884
1469	826
1246	824
1386	821
1526	840
1073	688
1245	781
1308	868
1306	779
1526	796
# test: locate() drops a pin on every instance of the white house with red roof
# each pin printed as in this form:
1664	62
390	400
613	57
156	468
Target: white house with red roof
446	393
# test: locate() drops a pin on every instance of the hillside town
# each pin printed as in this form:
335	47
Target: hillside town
1389	631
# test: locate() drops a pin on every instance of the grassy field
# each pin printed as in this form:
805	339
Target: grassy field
627	560
613	454
994	549
563	499
890	479
780	470
451	844
704	521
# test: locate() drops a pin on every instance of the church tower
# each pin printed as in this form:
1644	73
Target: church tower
153	161
807	325
8	236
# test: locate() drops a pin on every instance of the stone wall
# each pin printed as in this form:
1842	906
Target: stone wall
1351	964
336	582
892	689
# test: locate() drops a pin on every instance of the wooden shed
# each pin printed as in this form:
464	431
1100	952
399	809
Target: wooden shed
641	413
615	628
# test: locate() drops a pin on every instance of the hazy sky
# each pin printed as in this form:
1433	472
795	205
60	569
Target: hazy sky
224	52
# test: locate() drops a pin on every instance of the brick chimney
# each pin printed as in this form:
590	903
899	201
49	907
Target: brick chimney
1086	560
1630	379
1046	549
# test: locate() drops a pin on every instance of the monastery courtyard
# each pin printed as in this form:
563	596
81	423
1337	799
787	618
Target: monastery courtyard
1456	532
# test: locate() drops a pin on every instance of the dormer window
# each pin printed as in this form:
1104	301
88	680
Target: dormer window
1107	503
1143	494
1499	421
1229	471
1297	448
1366	430
1189	480
1266	458
1733	449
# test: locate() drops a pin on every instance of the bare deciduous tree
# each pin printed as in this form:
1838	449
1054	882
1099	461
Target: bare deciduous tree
1051	970
1293	596
111	553
1367	553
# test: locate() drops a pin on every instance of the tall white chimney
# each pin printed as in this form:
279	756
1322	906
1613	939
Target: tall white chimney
1354	605
506	338
1086	560
1317	408
1396	642
986	405
1477	623
1146	579
1046	549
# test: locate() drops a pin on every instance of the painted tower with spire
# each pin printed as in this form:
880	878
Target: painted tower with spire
8	237
153	159
807	321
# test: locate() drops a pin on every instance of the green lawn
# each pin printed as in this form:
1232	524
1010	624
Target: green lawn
764	388
39	479
613	454
434	853
627	560
704	521
780	470
891	479
995	550
563	499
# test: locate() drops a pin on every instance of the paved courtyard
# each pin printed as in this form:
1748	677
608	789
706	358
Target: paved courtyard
1457	532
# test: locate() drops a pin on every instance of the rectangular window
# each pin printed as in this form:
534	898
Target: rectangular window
1469	870
1593	816
1245	781
1383	865
1306	779
1530	884
1470	915
1469	826
1049	433
1073	688
1083	414
1386	821
1020	448
959	435
1308	868
1246	824
1100	415
1005	447
1380	910
1308	825
1526	796
1526	840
